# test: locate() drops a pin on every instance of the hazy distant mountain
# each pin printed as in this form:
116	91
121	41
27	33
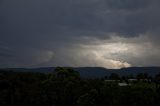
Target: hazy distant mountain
94	72
101	72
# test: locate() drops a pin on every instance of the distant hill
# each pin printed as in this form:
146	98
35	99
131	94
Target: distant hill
101	72
94	72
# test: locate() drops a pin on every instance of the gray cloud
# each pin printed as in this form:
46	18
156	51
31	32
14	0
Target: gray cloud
127	4
55	29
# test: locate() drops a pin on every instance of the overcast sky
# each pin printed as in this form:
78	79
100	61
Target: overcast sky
79	33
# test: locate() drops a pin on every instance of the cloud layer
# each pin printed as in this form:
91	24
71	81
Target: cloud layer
108	33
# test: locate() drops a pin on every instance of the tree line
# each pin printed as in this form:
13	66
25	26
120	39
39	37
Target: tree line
64	87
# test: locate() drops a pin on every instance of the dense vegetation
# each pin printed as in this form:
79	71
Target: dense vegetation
64	87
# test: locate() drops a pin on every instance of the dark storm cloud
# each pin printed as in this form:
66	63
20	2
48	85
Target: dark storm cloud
5	52
127	4
56	18
32	28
